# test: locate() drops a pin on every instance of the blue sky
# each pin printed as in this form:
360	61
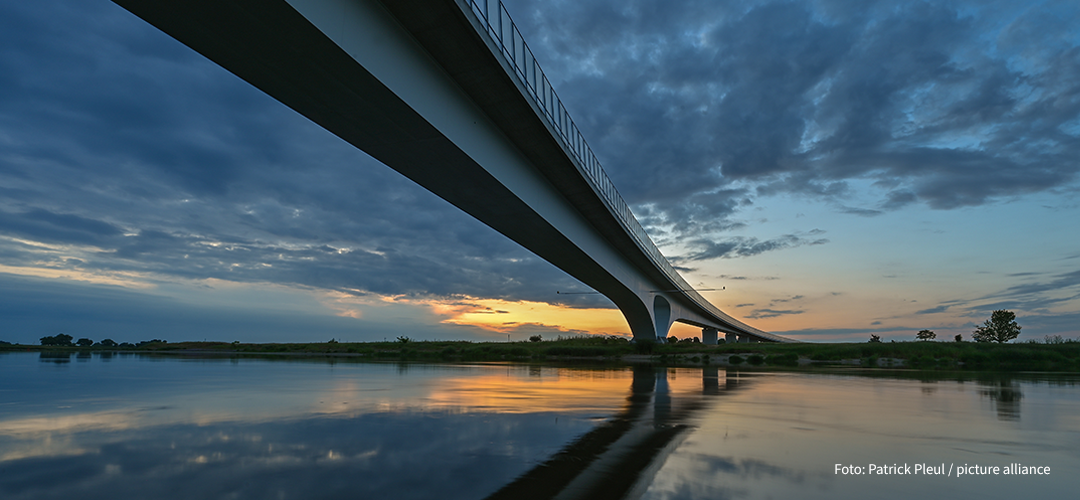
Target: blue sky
841	168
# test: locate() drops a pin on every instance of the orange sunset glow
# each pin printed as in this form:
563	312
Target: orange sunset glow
506	316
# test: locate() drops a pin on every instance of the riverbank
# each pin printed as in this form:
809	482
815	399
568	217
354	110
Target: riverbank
1063	356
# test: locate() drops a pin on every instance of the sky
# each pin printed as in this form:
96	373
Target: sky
838	169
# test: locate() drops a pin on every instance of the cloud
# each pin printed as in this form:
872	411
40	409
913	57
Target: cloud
129	153
771	313
738	246
864	212
934	310
1061	281
943	104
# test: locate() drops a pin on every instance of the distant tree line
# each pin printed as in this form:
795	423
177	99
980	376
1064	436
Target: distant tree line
688	340
65	340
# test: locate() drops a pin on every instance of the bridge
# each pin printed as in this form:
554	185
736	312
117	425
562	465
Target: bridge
448	93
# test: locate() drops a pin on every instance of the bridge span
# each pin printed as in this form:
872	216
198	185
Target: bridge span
448	93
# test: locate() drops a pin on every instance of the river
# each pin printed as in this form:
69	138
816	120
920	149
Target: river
123	426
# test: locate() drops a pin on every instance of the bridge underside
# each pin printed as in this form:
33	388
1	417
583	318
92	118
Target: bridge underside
415	85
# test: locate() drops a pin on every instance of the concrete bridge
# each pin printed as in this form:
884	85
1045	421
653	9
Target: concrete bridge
447	93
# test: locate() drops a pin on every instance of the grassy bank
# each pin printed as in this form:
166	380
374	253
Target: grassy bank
918	355
930	355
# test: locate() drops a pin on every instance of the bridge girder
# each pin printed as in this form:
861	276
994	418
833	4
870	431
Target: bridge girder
415	84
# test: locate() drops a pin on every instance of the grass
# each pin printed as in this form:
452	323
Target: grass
1054	356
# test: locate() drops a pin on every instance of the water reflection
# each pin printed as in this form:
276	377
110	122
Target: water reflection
55	357
138	427
142	427
1006	395
784	436
619	456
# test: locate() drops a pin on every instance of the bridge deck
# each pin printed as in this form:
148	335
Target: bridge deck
279	50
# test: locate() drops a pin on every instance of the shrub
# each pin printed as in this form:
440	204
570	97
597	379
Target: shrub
518	351
535	338
756	359
644	346
735	359
787	359
581	351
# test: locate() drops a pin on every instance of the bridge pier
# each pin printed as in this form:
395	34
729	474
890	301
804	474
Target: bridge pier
708	336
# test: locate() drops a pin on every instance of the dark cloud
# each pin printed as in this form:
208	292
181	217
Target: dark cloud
947	104
1033	298
747	246
134	154
1059	282
933	310
1030	300
864	212
772	313
46	226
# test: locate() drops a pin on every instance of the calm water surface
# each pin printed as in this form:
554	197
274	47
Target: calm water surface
127	426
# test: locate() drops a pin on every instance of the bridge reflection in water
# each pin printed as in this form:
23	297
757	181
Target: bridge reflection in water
619	458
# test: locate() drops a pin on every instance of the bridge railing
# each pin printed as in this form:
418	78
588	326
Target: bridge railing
502	30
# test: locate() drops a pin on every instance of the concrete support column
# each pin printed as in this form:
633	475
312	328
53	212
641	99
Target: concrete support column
744	339
730	338
708	336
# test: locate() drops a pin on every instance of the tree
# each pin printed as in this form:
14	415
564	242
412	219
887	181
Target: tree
60	339
874	338
108	343
1001	327
536	338
925	335
959	338
84	342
